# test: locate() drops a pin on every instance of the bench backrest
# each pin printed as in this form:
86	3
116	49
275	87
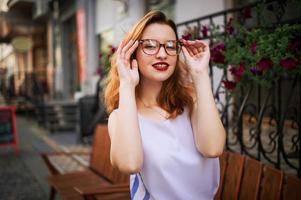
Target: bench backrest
100	158
245	178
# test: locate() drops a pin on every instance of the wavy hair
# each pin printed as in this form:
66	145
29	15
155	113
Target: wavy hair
177	91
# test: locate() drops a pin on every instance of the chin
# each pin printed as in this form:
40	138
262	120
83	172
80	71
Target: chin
158	77
162	77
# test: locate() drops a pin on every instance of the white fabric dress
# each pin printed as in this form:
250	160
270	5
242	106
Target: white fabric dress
173	169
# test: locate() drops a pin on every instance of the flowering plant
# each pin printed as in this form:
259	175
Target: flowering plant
104	60
258	55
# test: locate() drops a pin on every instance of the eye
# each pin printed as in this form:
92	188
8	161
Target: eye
149	44
171	45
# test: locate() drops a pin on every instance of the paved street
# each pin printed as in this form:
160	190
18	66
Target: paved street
33	140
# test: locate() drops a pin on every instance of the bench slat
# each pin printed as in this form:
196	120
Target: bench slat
292	188
233	176
271	183
251	179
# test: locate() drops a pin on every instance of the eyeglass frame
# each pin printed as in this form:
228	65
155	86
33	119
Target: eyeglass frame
160	44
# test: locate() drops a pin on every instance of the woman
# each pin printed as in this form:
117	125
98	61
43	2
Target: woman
164	126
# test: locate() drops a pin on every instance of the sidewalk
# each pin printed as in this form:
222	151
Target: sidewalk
33	140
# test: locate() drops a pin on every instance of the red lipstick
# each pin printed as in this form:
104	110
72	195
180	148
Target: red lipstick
161	66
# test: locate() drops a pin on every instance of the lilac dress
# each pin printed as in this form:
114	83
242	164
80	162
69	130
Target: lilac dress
173	168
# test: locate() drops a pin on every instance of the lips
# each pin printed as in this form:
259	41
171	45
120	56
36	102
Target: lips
161	66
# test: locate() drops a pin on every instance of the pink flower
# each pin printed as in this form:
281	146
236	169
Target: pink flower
264	64
230	85
238	72
217	55
220	46
204	31
289	63
186	36
253	47
113	49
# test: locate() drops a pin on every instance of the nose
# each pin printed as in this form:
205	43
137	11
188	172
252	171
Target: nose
161	53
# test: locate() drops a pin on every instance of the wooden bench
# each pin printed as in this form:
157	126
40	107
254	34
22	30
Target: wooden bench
66	160
248	179
99	179
242	178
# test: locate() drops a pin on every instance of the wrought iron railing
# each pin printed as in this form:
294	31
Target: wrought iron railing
261	123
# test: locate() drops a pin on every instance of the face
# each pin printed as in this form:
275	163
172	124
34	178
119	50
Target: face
160	65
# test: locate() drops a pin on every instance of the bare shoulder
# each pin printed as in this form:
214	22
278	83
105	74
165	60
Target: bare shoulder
112	122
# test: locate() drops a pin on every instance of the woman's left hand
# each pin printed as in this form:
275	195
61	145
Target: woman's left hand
196	56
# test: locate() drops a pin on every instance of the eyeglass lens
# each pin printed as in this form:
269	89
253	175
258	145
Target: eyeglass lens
151	47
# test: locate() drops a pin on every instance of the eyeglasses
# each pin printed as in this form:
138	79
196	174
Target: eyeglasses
152	47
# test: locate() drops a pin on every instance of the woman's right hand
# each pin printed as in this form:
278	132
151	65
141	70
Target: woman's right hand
127	68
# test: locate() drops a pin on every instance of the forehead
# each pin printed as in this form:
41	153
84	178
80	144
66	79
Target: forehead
160	32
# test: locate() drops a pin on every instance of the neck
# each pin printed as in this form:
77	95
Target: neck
149	91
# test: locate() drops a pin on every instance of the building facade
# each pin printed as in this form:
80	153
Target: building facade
68	38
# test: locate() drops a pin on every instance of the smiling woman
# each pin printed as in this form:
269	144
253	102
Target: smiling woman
165	130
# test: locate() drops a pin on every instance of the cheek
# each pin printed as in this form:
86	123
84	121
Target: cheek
142	59
173	61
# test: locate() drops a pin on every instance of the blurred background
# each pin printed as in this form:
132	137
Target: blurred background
55	54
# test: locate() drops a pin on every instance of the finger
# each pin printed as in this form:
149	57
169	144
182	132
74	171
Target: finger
126	47
183	41
202	45
121	69
196	43
197	46
193	46
131	50
186	52
134	64
119	47
189	51
186	43
194	50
